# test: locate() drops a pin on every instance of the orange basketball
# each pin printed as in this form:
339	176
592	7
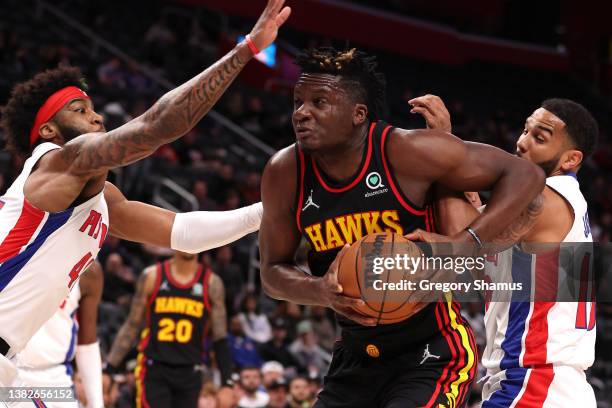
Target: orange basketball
382	287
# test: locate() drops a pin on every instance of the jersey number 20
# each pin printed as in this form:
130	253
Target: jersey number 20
179	331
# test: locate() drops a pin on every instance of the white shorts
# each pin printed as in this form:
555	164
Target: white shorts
8	372
545	387
56	376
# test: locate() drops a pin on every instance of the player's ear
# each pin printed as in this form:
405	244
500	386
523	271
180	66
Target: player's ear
360	114
48	131
571	160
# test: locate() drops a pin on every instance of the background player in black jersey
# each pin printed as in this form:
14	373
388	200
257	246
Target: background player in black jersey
348	175
180	300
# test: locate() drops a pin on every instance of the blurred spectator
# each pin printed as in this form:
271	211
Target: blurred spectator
110	391
315	382
159	34
299	394
208	396
200	191
277	349
134	79
111	74
231	275
277	392
126	392
232	200
254	323
250	188
112	244
227	397
306	350
323	327
118	281
272	371
244	350
291	313
250	381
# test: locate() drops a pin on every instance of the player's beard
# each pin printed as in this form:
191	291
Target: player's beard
68	132
549	165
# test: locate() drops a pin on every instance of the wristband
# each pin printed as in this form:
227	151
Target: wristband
471	231
251	45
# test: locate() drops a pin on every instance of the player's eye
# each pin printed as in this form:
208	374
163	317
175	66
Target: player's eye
525	131
539	139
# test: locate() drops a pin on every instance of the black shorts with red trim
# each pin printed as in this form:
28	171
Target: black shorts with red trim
168	386
436	373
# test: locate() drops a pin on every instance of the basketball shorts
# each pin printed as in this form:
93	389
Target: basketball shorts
55	376
436	373
541	387
8	371
160	385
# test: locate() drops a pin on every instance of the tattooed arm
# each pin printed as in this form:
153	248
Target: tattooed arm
454	213
131	327
218	318
218	314
175	113
77	171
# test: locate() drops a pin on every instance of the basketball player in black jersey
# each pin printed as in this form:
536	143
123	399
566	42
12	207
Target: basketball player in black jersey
348	175
180	300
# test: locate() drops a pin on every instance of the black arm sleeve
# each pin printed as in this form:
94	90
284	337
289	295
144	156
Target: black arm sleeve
224	359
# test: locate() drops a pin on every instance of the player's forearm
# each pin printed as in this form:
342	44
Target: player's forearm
179	110
517	186
288	282
200	231
172	116
125	340
89	364
453	211
224	359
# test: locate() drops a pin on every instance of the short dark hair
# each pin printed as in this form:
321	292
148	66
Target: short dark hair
580	125
249	367
351	65
26	99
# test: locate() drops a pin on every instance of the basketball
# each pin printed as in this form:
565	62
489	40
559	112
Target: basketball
361	277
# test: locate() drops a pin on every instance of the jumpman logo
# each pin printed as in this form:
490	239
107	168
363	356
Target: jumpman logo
310	202
427	354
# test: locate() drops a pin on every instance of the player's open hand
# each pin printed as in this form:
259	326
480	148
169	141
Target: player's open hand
433	110
331	293
265	30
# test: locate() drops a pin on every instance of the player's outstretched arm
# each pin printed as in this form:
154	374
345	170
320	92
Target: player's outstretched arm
175	113
192	232
88	359
127	335
279	238
443	158
218	317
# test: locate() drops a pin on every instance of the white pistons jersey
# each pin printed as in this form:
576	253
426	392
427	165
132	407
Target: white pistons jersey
528	342
55	342
42	255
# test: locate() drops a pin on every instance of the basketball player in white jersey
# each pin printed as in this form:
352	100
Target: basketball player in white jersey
70	333
536	352
56	214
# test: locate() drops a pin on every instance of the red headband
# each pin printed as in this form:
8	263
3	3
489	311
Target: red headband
53	105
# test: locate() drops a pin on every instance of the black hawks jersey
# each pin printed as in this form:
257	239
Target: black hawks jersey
177	319
330	215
